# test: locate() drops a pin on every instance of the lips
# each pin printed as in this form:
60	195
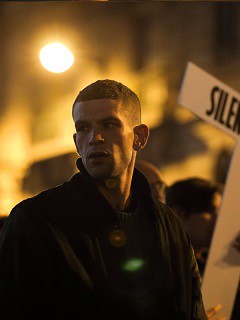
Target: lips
97	154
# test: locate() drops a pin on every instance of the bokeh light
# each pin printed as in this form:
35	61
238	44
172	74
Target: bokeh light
56	57
117	238
133	264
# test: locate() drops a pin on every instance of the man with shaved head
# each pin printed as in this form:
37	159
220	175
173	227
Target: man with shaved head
99	245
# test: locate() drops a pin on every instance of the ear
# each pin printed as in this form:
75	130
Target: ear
75	141
141	134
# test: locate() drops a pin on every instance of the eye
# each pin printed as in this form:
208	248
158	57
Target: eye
82	129
109	125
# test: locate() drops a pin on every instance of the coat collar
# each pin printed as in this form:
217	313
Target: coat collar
139	183
87	196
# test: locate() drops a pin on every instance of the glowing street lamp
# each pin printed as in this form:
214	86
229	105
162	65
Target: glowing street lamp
56	57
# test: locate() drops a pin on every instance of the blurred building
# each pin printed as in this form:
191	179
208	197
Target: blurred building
145	45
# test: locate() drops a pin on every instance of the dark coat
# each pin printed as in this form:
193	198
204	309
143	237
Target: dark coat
56	259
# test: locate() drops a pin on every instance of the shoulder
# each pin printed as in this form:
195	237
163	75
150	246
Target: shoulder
45	197
171	224
167	214
48	203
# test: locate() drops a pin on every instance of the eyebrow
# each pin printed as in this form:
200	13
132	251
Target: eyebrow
84	122
78	122
114	119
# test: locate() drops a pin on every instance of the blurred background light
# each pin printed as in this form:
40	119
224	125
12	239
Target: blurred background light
56	57
37	151
133	265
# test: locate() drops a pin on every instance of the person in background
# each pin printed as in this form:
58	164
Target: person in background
99	246
155	179
197	202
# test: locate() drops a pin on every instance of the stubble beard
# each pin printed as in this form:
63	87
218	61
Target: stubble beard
100	171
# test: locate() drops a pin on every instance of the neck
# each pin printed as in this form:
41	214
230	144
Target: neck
117	190
119	196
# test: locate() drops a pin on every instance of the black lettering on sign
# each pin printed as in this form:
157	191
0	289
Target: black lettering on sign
237	121
225	109
214	90
231	113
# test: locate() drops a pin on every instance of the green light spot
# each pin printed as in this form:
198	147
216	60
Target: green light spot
133	265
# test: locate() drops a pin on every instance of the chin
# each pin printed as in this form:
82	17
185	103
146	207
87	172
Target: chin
99	172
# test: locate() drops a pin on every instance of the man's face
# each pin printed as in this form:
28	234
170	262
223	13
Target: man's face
158	186
104	137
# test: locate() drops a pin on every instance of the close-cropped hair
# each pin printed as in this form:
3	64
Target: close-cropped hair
192	195
111	89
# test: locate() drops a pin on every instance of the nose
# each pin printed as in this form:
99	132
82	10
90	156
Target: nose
95	138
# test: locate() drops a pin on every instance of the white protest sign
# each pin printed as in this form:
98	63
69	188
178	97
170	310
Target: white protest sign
219	105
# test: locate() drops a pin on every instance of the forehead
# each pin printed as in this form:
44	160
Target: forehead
152	175
97	109
153	178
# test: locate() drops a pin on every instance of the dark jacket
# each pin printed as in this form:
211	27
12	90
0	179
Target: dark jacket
56	259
